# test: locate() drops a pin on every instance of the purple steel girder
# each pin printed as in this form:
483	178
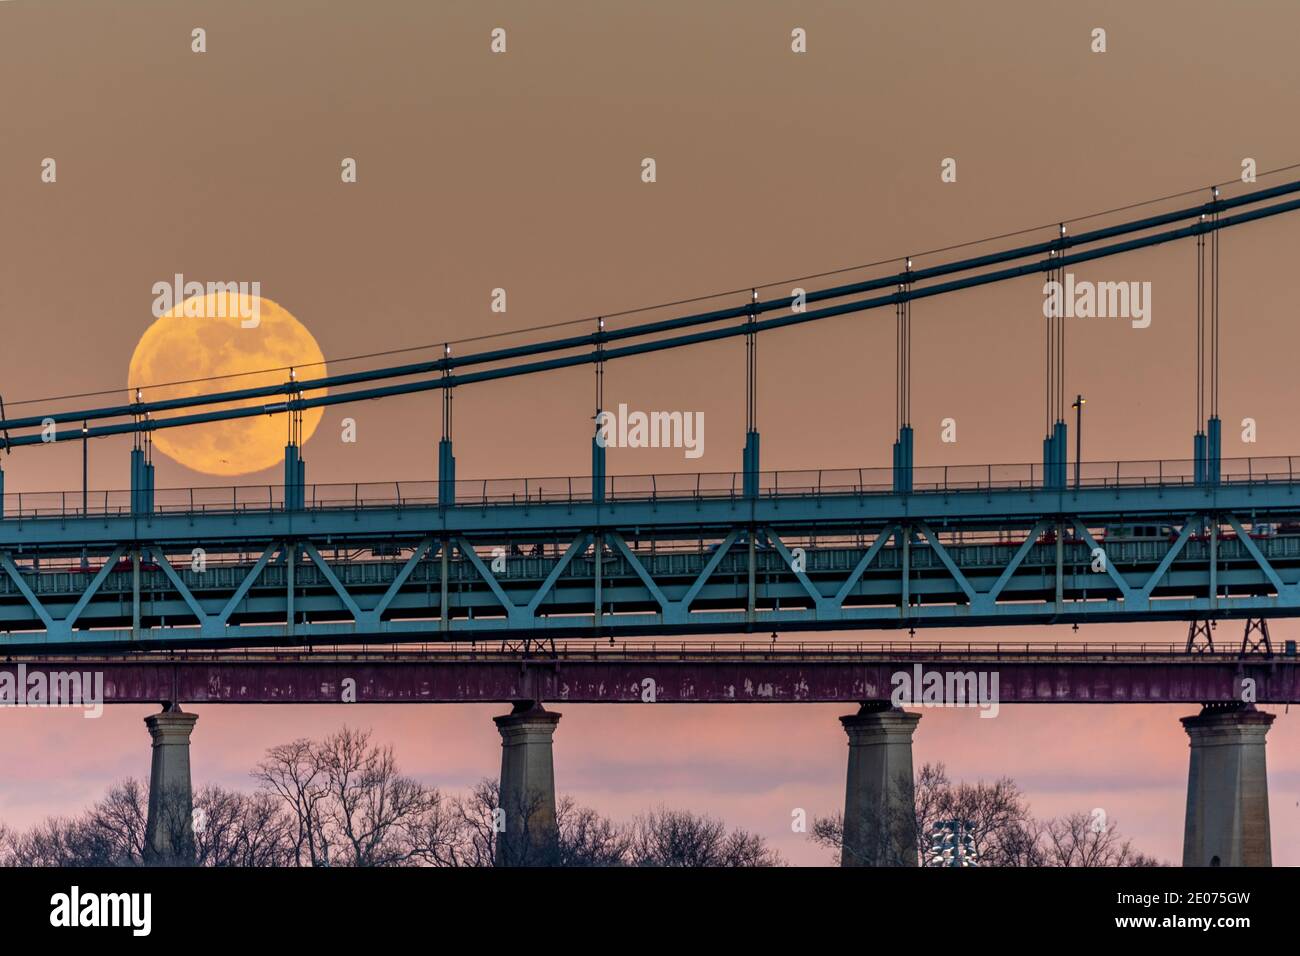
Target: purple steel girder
495	677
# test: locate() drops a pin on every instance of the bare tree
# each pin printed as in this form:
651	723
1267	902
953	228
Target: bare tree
372	811
8	846
291	771
477	825
589	839
1079	839
351	806
237	829
664	837
997	818
341	801
119	821
110	833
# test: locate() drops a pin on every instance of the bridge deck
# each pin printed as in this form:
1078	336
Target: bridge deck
676	555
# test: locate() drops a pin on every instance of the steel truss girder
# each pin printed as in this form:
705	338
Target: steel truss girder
915	571
990	508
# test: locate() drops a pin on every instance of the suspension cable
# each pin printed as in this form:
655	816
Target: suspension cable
446	396
600	370
749	329
751	366
903	351
1214	269
1200	330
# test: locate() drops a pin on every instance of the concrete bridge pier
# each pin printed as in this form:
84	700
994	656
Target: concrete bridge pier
879	812
1227	788
169	830
527	792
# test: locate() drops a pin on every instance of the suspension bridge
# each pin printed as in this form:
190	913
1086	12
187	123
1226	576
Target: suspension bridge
163	590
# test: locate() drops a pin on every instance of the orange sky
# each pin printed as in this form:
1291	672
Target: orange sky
522	171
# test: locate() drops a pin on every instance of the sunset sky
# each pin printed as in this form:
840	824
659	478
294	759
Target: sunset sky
522	171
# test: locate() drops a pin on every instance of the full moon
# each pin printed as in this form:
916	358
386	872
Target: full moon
207	336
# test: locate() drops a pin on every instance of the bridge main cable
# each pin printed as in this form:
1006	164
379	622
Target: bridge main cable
139	410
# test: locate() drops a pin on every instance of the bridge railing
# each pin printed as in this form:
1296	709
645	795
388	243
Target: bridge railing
946	479
779	649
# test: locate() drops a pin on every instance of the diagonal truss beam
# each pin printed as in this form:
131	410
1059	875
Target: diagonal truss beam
186	594
1118	579
247	583
818	598
1249	544
26	592
333	580
467	550
635	564
948	562
94	586
990	597
1174	550
578	545
684	604
856	575
374	615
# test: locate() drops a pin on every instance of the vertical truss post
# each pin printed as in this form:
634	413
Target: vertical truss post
598	555
141	482
135	593
1062	442
903	459
1213	522
137	461
295	468
905	532
751	590
444	613
1213	449
290	565
1060	566
142	471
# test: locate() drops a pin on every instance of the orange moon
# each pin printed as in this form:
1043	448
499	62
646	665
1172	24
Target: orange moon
210	335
